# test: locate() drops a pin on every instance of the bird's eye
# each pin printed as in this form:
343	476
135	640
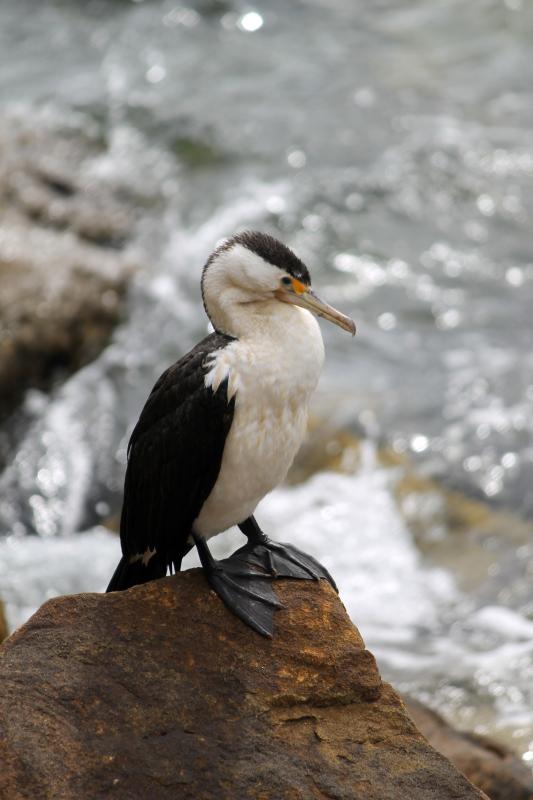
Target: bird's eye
286	281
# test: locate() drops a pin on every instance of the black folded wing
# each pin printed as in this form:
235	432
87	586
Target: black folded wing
174	455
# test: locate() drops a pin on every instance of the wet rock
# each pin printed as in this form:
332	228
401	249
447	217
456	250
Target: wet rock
63	270
160	692
49	173
488	764
197	154
4	630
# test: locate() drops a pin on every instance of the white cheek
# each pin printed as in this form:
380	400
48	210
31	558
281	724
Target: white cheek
259	273
249	271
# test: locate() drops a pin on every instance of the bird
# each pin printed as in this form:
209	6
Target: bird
221	427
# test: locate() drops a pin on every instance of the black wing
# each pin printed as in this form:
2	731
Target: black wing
174	455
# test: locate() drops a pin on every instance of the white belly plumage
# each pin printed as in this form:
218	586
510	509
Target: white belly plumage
272	378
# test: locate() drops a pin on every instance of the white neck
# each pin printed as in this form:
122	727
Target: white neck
269	319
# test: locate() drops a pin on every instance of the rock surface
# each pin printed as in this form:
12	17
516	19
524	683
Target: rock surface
489	765
159	692
4	630
63	271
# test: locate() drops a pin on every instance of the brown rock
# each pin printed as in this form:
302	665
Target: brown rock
4	630
488	764
159	692
62	270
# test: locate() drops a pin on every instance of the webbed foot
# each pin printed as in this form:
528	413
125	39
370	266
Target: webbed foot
281	560
247	592
244	580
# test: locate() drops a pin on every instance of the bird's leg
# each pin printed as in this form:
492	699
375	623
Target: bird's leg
244	590
278	559
255	536
253	532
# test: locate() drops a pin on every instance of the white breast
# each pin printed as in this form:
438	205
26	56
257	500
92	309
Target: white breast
272	375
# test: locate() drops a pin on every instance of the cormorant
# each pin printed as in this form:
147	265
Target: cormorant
221	427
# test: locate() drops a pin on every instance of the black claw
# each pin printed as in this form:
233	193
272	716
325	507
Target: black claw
271	568
304	561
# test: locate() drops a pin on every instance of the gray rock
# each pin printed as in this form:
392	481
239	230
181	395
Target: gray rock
63	264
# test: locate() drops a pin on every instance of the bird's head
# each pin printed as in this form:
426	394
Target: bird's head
252	268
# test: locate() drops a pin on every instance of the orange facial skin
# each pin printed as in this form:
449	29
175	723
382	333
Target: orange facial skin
298	287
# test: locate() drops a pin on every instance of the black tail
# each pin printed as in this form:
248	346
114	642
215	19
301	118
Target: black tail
129	574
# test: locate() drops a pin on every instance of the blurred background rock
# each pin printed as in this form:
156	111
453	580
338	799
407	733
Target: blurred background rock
390	144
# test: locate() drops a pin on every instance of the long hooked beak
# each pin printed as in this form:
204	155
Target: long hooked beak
301	295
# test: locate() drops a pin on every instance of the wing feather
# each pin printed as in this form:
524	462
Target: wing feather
174	455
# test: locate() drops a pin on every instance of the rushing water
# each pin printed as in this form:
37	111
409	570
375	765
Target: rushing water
390	144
